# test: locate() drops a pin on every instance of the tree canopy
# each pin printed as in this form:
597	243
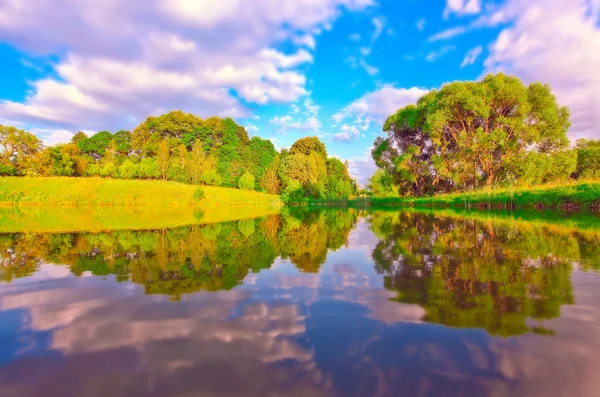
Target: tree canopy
471	134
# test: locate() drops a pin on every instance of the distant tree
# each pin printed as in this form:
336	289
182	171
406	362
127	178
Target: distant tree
78	137
196	163
246	181
122	141
271	182
588	158
148	169
16	146
163	158
96	145
211	177
127	170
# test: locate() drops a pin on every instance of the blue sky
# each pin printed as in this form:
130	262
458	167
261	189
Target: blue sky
284	69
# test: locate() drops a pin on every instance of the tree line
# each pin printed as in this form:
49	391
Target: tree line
469	135
182	147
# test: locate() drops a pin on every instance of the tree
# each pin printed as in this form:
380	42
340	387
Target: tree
588	158
162	158
127	170
16	146
78	137
271	182
246	181
122	140
196	163
470	134
96	145
211	177
309	145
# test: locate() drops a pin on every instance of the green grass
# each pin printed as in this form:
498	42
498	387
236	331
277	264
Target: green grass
63	191
584	194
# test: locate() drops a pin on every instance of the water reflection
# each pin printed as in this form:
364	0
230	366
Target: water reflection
304	303
186	259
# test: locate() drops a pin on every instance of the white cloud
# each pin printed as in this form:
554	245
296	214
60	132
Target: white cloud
371	70
555	42
435	55
251	128
347	133
380	104
372	108
448	33
365	50
354	37
362	168
302	118
420	24
462	7
471	56
52	137
117	64
379	23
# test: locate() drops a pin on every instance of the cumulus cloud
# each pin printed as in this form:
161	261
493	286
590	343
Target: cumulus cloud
372	108
379	104
471	56
303	118
462	7
116	63
555	42
362	168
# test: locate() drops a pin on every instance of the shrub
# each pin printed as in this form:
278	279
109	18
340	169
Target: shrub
7	170
211	177
109	169
127	170
246	181
198	194
148	169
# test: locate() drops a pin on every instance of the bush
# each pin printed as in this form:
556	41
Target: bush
198	194
7	170
109	169
127	170
212	178
246	181
148	169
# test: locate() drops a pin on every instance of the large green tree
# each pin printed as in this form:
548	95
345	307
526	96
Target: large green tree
470	134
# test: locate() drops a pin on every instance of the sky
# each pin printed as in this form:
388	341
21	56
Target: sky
284	69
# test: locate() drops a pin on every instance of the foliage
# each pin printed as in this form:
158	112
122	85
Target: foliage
16	146
588	158
246	181
472	134
184	148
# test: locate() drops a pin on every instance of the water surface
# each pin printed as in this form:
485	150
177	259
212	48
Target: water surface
306	303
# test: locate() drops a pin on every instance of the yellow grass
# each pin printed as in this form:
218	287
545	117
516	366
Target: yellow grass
63	191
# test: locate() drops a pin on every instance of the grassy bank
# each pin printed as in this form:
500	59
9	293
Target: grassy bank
62	191
566	196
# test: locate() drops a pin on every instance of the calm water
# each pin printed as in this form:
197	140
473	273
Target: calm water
306	303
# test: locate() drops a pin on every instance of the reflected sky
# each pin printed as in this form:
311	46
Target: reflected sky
302	317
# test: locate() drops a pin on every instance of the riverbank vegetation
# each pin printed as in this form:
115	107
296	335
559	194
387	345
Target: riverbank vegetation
483	139
183	148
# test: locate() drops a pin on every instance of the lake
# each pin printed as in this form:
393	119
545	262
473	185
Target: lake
335	302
